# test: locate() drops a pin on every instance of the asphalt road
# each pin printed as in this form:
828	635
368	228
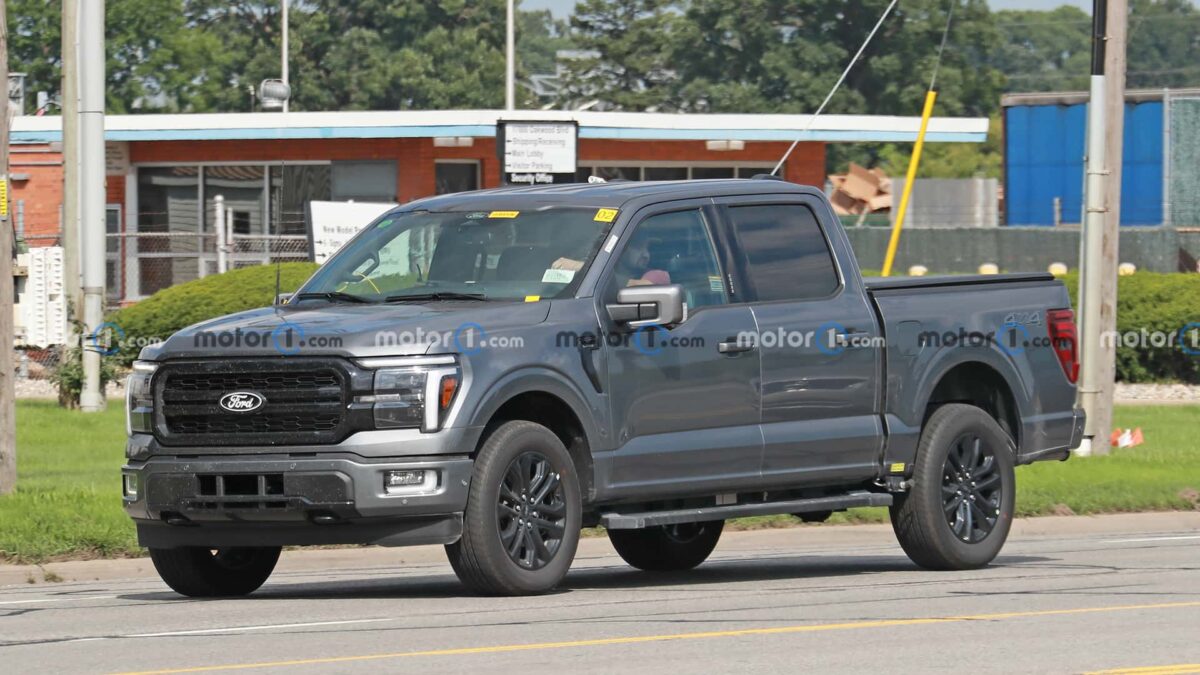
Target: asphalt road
1066	596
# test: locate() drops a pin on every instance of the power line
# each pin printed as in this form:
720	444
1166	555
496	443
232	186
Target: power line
837	84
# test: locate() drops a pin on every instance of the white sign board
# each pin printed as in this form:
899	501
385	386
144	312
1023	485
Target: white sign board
332	224
116	158
539	147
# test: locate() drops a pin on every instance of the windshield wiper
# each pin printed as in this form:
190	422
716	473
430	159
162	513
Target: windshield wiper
435	296
332	296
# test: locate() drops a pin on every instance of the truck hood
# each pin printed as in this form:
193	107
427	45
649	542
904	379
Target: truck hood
350	330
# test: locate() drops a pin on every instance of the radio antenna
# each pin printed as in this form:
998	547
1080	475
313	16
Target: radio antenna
833	91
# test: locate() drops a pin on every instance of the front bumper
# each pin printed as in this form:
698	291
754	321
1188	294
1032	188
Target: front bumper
282	501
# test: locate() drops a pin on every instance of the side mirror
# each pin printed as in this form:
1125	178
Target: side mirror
639	306
283	298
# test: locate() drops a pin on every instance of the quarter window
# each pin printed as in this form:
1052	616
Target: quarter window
786	254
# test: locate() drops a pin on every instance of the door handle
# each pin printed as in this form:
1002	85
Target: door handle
843	339
734	346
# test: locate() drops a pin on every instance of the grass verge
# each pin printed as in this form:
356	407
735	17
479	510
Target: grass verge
68	505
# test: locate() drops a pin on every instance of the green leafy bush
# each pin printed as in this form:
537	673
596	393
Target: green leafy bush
67	375
1160	304
176	307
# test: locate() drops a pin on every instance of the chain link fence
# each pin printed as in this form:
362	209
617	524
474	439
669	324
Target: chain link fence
143	263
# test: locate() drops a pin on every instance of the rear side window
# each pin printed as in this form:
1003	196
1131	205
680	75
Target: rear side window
786	254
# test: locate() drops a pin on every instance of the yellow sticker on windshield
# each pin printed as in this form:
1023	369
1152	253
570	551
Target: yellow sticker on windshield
504	214
606	215
532	298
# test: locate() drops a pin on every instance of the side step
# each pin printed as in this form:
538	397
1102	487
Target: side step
634	521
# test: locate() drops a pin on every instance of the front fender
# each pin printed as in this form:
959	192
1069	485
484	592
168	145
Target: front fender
590	412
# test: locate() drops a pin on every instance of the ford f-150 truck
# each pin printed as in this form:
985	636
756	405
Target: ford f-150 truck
493	371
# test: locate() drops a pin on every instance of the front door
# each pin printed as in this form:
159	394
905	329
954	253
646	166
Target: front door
685	408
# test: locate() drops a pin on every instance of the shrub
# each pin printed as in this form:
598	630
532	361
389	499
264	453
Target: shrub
68	376
1153	302
171	309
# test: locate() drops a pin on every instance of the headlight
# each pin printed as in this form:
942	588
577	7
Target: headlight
412	396
139	398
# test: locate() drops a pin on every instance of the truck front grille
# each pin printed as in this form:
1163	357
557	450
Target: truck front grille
303	401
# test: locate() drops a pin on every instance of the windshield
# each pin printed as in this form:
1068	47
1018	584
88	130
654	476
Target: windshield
464	255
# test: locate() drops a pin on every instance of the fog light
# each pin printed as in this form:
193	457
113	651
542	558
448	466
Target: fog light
411	481
129	485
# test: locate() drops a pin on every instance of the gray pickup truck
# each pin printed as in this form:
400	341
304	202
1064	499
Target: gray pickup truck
493	371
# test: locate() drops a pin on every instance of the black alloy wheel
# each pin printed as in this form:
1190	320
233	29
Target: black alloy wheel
532	511
972	489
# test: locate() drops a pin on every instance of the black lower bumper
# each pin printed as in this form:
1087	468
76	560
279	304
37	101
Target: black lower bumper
414	531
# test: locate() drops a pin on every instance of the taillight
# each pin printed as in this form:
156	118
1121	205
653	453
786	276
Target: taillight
1061	323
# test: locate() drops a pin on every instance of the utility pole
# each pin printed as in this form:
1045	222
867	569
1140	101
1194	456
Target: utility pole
1114	116
91	202
510	58
1098	263
69	107
284	50
8	412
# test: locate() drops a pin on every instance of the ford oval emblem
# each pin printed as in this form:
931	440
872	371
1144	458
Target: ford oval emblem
241	401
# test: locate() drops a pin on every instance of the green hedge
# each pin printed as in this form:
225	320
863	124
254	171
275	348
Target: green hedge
1153	302
176	307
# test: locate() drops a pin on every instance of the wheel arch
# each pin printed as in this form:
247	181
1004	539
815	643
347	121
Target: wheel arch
983	386
545	399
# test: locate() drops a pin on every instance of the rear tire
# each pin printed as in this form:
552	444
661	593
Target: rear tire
667	548
523	517
959	510
213	573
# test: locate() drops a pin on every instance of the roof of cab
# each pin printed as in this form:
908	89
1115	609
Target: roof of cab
618	194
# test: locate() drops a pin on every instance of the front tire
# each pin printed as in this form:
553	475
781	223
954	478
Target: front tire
524	513
214	573
959	510
667	548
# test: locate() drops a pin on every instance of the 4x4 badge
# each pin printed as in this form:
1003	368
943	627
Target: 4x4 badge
241	401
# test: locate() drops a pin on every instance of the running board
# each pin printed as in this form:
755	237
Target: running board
634	521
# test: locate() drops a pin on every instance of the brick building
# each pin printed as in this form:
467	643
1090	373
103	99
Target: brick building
163	171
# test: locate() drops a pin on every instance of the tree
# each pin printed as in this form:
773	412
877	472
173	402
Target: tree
785	56
1164	44
1044	51
34	42
539	38
627	62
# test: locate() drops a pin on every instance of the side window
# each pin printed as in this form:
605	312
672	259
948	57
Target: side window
671	248
787	256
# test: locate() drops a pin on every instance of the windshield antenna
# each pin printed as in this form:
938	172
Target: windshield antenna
837	84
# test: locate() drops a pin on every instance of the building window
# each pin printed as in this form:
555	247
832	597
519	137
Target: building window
364	181
168	211
292	187
242	189
712	172
456	176
665	173
114	253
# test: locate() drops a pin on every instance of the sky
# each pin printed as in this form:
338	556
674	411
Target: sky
562	8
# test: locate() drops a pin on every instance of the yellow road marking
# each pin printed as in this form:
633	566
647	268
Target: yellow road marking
1177	669
636	639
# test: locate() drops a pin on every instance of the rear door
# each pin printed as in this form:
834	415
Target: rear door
818	340
685	409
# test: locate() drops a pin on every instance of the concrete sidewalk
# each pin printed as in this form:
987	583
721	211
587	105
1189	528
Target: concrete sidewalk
834	535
